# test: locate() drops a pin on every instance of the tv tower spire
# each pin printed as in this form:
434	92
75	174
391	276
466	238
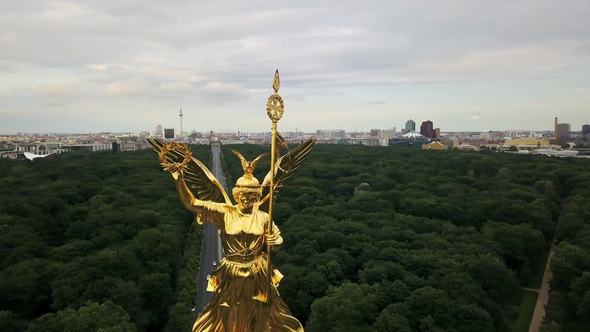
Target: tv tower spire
180	115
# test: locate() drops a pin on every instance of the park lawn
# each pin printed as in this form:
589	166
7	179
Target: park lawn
537	279
527	308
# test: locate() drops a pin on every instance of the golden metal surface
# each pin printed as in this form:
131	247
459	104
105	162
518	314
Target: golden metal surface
274	105
175	166
245	283
274	110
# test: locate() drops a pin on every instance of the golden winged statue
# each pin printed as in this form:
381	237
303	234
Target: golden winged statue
245	298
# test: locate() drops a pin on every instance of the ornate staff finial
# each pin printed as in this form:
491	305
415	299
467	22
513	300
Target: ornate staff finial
274	105
276	83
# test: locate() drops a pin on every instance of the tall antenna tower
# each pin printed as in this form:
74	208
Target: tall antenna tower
180	115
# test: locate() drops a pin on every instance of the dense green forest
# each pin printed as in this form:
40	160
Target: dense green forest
569	298
95	240
376	239
381	239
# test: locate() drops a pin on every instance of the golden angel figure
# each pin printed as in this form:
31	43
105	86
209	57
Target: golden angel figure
242	301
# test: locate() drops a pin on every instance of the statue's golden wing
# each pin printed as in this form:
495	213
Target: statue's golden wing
284	167
197	175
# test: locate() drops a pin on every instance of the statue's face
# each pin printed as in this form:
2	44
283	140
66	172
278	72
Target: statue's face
246	199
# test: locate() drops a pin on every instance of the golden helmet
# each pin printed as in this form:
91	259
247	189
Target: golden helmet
247	183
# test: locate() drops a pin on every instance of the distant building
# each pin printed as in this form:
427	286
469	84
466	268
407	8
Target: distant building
374	132
159	130
41	148
434	146
466	146
540	142
563	130
337	133
495	134
586	129
436	132
89	147
452	143
169	133
367	141
410	139
385	135
426	129
132	146
410	126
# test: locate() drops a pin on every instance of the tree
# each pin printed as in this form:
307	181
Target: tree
580	296
429	302
550	327
391	322
96	317
92	316
350	307
567	264
462	288
11	322
25	287
470	317
156	294
495	279
522	246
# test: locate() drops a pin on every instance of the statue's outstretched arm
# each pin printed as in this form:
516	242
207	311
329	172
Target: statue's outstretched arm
186	196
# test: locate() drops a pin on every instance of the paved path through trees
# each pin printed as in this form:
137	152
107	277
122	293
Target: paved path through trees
543	295
211	246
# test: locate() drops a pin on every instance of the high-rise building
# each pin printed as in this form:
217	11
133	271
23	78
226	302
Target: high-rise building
410	125
563	130
556	128
436	132
169	133
426	129
586	129
159	130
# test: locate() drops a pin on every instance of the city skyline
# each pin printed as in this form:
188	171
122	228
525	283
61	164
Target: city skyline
103	66
399	129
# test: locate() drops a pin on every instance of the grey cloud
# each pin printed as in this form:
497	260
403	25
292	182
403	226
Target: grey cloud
221	93
584	49
152	53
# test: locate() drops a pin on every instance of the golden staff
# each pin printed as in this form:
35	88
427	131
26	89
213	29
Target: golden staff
274	109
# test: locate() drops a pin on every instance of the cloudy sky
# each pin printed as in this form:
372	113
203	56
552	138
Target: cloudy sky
127	65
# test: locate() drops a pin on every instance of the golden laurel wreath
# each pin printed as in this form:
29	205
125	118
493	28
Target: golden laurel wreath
175	166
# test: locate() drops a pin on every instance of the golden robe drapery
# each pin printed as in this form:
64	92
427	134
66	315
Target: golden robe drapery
239	283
